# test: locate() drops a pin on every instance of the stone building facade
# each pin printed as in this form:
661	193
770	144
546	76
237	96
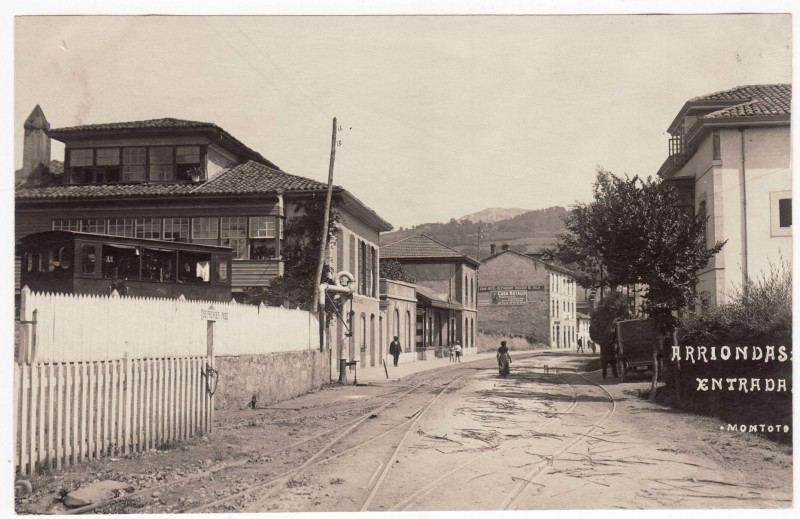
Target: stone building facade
522	295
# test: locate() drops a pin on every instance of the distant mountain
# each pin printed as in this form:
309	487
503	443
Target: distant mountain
493	214
523	232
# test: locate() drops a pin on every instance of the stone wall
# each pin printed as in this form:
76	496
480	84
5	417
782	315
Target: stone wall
491	341
273	377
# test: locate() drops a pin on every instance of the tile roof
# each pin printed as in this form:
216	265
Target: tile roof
248	178
420	246
754	101
166	123
252	177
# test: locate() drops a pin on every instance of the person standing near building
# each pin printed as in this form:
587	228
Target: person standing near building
452	351
580	345
394	349
458	351
608	356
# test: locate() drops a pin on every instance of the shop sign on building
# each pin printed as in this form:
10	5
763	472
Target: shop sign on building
509	297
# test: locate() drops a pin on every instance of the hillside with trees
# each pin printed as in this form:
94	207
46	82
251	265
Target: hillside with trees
525	232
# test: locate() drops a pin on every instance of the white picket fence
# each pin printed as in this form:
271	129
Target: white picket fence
66	413
79	328
106	375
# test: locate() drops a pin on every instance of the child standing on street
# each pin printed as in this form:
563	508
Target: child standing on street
452	353
458	351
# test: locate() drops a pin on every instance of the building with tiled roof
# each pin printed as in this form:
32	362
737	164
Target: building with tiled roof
446	282
174	179
419	246
730	157
520	294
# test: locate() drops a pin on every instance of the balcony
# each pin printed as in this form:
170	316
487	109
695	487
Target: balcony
679	154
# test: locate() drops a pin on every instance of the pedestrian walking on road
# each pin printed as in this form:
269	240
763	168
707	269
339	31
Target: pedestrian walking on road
580	345
503	359
593	346
394	349
458	351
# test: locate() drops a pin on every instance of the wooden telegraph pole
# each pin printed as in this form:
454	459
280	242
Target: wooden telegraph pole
324	242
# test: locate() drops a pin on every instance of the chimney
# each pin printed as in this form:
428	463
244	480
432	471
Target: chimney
504	246
492	249
36	149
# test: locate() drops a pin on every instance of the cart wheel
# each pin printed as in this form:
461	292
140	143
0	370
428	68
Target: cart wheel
621	370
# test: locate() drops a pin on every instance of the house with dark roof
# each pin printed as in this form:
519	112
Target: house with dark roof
520	294
730	157
173	179
446	291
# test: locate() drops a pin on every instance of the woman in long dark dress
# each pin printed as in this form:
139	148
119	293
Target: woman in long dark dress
503	359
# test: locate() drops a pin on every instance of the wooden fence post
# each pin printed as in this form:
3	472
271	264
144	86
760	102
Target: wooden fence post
212	363
126	387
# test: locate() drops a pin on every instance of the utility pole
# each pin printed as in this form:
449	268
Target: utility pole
324	242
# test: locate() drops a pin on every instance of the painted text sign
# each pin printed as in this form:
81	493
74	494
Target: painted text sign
510	297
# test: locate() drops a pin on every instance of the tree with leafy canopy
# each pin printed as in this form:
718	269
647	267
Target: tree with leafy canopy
634	233
393	269
301	252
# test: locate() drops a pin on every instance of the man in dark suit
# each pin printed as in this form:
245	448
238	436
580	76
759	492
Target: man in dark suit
394	349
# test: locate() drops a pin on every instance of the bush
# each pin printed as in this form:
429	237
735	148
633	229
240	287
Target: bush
759	314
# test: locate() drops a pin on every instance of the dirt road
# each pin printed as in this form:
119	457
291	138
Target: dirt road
458	438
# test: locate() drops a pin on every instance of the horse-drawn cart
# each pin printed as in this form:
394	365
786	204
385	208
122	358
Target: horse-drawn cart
635	340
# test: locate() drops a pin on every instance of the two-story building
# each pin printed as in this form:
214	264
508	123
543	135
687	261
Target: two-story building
730	156
520	294
172	179
446	286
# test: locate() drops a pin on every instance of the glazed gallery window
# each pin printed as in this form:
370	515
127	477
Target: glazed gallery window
108	168
135	164
233	234
94	225
148	228
134	161
66	225
120	227
176	229
162	164
205	231
262	237
251	237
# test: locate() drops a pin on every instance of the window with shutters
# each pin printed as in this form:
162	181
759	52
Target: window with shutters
375	272
339	250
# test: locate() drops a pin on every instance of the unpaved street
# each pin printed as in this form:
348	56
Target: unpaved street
458	438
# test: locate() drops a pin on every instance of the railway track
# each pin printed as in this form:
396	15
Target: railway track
335	444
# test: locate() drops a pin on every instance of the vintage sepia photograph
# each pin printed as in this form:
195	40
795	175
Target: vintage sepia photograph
470	261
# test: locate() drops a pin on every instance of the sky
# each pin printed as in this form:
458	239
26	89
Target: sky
441	116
